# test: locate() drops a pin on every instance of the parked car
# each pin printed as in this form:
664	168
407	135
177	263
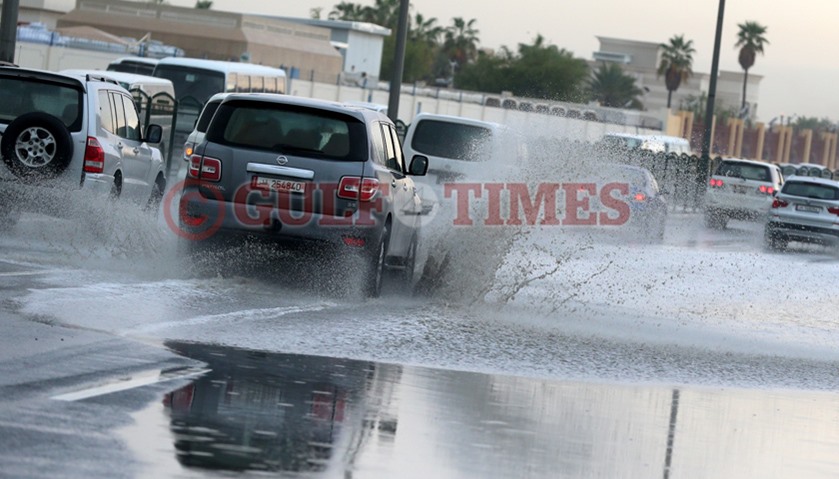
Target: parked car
298	170
805	210
76	132
740	189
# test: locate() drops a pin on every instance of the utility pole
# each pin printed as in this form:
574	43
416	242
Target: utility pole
399	61
712	87
8	30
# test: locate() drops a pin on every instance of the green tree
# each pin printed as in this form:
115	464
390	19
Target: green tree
461	41
676	63
314	13
751	41
349	11
610	86
204	4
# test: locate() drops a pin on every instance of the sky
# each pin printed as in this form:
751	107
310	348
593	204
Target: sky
799	69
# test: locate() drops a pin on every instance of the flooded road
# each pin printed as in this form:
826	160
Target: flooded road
585	357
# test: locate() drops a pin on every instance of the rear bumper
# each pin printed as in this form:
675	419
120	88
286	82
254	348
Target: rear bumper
802	233
738	206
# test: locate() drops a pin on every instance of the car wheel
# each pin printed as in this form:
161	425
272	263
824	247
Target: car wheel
376	266
156	195
36	146
715	220
773	241
407	274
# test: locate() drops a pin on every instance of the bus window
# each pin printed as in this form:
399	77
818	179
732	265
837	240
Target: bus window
257	84
243	83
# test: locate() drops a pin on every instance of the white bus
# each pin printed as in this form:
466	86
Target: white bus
196	80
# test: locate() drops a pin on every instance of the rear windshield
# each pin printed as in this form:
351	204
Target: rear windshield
744	171
811	190
132	67
452	140
289	129
25	95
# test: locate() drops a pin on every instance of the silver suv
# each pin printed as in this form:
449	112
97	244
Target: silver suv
806	210
297	170
76	132
740	189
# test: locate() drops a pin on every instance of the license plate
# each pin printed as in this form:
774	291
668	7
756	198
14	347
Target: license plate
739	189
808	208
276	184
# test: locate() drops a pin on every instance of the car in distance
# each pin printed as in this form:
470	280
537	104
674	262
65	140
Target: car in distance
76	132
197	135
805	210
740	189
298	170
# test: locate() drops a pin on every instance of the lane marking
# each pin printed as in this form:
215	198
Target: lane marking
136	381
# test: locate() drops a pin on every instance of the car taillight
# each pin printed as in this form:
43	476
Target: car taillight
766	190
833	210
640	197
348	188
94	156
715	183
204	168
779	203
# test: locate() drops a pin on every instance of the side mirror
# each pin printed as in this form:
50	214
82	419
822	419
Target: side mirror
419	165
154	134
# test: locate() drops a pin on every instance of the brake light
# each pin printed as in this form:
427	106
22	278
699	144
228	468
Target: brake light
640	197
779	204
767	190
204	168
715	183
349	186
833	210
94	156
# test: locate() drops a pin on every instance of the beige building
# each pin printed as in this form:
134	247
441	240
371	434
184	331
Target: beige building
641	59
43	11
215	35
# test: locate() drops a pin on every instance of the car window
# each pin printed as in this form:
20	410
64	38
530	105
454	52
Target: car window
451	140
119	115
397	148
379	150
207	115
106	115
746	171
811	190
391	159
289	129
132	120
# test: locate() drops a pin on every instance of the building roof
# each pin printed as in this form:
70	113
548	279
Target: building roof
365	27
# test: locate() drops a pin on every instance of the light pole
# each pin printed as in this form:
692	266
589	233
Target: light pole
399	61
712	87
8	30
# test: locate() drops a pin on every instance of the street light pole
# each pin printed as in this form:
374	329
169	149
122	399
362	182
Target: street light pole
712	87
8	30
399	61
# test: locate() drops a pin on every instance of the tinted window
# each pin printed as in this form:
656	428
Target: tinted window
745	171
119	114
132	121
451	140
288	129
811	190
132	67
21	96
207	115
195	83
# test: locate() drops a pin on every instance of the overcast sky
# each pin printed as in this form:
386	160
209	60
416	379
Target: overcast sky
800	67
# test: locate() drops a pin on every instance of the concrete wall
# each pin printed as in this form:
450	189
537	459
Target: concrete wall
34	55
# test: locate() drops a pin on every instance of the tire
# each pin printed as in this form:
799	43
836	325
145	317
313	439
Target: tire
156	197
36	146
773	241
375	261
715	220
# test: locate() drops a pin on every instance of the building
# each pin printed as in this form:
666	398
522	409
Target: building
360	43
217	35
46	12
641	59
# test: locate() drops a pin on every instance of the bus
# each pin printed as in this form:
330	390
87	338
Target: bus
136	65
196	80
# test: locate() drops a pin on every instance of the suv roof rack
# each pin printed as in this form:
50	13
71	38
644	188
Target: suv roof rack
102	78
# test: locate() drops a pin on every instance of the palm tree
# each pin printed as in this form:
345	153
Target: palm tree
426	31
676	63
751	41
612	87
461	41
348	11
204	4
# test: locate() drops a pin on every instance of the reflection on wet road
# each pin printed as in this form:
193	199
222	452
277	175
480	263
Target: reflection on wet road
321	417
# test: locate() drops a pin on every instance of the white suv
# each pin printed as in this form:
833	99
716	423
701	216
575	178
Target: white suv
76	132
741	189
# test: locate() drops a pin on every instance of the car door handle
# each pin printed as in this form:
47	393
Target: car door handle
393	184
